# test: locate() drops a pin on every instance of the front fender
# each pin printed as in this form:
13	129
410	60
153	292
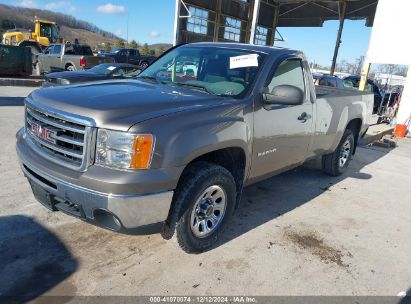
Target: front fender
203	138
184	136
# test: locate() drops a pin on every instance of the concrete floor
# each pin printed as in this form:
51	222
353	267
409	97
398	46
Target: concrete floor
300	233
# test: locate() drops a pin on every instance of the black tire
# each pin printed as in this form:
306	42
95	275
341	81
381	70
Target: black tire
70	68
144	65
331	163
198	178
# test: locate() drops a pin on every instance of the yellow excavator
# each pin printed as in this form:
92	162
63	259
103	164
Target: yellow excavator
45	32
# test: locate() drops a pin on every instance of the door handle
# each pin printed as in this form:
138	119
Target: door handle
304	117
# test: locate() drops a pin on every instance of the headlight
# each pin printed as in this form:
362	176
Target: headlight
124	150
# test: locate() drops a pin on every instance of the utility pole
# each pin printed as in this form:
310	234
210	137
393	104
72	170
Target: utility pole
127	29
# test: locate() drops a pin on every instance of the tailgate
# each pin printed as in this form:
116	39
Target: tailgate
92	61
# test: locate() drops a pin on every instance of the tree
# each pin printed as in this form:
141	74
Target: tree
145	50
133	44
359	62
159	51
106	47
120	44
152	52
402	70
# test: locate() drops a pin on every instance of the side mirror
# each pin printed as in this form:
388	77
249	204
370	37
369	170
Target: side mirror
284	95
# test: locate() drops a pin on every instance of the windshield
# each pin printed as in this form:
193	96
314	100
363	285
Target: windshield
50	31
216	70
103	69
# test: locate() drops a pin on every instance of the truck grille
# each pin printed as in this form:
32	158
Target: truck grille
59	139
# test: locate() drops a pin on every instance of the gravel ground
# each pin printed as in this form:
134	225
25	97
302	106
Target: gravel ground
300	233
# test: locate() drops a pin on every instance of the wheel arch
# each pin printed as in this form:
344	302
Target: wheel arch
67	64
233	159
355	126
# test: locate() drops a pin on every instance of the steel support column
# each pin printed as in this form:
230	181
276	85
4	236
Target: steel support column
342	6
176	22
275	23
217	20
254	22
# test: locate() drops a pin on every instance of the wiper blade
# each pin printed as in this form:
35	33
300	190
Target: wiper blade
147	77
197	86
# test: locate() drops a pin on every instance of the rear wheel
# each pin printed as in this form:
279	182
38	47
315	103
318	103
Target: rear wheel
205	204
70	68
336	163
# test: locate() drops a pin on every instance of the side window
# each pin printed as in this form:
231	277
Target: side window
49	50
332	82
69	50
57	49
289	72
322	82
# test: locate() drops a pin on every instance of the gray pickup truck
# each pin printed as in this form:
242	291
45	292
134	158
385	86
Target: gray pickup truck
175	147
68	57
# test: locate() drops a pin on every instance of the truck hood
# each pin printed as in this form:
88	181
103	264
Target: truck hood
73	74
120	104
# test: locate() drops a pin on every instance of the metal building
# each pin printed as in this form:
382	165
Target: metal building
256	21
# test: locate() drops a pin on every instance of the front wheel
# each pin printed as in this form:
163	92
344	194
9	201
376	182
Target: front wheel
336	163
207	201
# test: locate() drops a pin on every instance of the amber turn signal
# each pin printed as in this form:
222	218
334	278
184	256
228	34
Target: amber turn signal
142	152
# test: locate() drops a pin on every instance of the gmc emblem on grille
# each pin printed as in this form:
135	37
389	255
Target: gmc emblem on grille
43	133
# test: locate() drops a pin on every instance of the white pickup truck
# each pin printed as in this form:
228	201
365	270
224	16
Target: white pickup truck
68	57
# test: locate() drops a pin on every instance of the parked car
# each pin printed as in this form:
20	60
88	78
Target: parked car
371	87
175	150
331	81
68	57
104	71
132	56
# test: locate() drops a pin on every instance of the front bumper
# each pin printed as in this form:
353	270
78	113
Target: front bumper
129	210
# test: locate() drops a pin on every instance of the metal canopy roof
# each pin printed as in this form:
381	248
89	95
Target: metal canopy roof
261	18
299	13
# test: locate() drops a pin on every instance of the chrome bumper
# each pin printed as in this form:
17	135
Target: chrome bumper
131	210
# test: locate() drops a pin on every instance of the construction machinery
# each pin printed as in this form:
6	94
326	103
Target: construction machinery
45	32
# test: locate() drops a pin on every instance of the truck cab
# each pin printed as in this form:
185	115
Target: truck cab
124	55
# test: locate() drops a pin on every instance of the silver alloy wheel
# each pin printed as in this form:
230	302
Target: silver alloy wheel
345	153
208	211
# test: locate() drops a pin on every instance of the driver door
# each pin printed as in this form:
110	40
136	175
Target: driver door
282	133
55	59
46	56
